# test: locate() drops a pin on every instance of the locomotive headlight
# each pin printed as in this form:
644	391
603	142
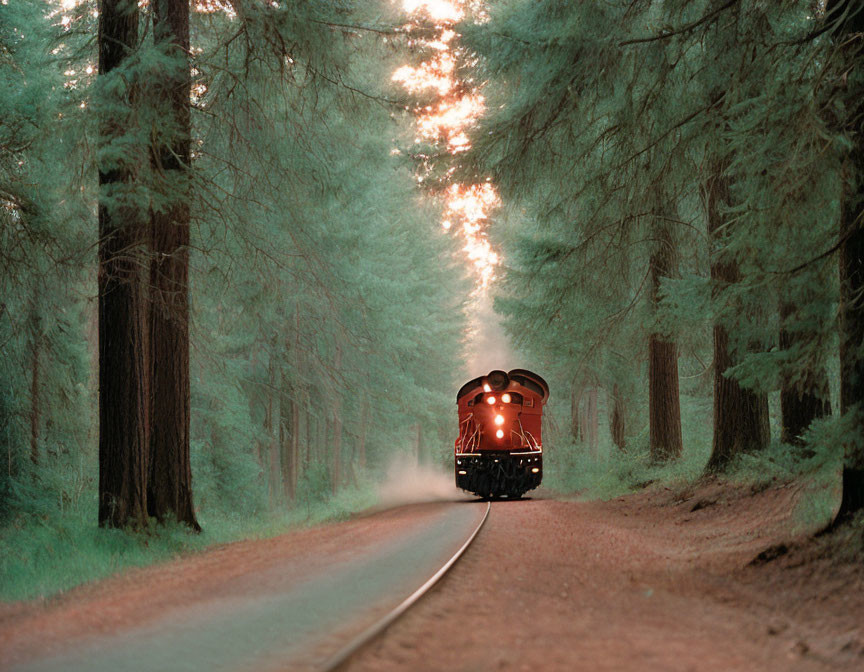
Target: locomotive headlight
500	432
499	419
486	387
535	470
505	398
490	400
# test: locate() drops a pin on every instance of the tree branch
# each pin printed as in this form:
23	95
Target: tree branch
684	29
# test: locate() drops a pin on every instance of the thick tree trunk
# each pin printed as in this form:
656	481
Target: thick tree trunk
807	399
616	419
852	330
850	34
664	406
740	415
170	486
124	334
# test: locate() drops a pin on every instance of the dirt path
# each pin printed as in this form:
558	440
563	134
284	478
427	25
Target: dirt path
650	582
655	581
251	605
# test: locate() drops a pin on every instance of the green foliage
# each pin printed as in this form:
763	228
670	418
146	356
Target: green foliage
326	303
42	555
609	120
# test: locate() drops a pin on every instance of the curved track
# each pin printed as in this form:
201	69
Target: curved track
280	604
338	660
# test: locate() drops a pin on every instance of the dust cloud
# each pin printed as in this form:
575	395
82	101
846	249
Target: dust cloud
486	345
407	482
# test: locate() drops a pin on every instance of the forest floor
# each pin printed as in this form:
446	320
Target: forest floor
705	578
661	580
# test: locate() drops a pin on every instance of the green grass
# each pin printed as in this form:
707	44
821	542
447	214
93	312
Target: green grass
42	555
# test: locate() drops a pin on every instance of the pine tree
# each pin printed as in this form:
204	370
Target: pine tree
848	30
125	386
170	471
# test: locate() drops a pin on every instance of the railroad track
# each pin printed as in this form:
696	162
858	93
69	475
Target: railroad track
343	656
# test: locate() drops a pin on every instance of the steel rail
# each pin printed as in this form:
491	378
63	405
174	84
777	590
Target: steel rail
338	660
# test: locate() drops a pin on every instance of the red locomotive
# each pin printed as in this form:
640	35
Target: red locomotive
499	452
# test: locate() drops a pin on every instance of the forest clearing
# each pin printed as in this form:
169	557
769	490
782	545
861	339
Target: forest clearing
251	250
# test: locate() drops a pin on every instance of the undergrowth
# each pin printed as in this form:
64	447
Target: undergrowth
42	555
612	472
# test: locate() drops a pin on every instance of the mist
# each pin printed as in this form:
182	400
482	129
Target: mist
487	346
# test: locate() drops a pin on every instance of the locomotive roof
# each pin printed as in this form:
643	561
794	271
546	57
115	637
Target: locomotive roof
526	378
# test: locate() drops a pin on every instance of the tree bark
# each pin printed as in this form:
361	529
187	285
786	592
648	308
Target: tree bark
740	415
273	430
124	335
336	462
310	434
361	439
803	401
575	398
170	486
35	383
664	406
593	424
848	33
289	427
616	419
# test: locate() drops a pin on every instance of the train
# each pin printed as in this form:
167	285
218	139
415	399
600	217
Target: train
499	450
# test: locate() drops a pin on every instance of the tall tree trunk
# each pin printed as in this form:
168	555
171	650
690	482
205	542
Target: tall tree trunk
803	401
361	439
584	418
336	448
592	425
740	415
616	419
170	486
851	356
336	470
848	32
124	335
272	426
310	434
35	383
664	406
575	398
289	428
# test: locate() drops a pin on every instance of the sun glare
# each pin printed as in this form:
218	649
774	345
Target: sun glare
445	123
437	10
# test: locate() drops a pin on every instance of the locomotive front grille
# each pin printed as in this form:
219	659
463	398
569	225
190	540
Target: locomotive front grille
491	474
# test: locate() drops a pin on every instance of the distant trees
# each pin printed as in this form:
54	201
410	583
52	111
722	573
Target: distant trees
243	241
745	120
